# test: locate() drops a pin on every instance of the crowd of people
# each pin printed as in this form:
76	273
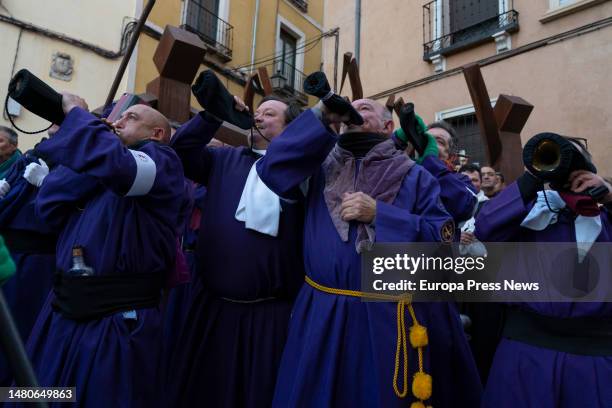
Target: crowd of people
158	268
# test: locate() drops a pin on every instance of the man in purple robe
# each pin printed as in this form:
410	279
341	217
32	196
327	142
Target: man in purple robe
551	354
31	243
342	350
100	329
456	190
249	269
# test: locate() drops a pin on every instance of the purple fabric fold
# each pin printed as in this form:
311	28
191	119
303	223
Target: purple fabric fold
380	176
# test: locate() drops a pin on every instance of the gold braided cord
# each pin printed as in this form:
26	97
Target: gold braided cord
355	293
402	348
401	351
420	349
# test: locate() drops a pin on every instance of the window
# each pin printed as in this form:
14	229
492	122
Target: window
463	119
561	3
452	25
286	64
202	18
468	138
561	8
287	77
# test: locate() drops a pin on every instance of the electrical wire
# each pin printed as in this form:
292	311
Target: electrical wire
276	57
273	58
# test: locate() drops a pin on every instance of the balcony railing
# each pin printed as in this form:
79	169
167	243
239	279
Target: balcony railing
288	81
209	27
301	4
442	34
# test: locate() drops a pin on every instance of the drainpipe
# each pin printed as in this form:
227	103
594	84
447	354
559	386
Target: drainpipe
255	18
357	29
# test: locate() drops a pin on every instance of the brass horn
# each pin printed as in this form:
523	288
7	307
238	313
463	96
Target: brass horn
546	156
552	157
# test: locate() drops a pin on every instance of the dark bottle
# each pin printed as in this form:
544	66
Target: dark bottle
79	268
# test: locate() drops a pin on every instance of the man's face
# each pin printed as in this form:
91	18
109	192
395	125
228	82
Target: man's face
489	178
373	119
140	122
474	178
443	139
270	119
6	147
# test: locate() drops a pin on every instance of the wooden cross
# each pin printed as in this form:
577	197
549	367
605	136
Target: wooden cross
178	57
500	128
261	79
350	68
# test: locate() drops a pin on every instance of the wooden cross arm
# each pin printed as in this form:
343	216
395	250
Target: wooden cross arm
511	113
264	80
350	68
346	61
260	78
484	112
397	106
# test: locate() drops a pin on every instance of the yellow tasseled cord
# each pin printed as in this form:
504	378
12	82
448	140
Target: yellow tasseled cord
421	382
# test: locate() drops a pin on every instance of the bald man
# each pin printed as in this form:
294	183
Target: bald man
341	350
100	328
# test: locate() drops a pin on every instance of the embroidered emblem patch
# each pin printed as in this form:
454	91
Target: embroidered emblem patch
447	232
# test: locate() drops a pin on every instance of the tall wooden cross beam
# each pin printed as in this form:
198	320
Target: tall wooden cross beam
500	128
178	58
350	68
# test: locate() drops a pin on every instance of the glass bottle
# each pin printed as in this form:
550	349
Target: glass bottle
79	268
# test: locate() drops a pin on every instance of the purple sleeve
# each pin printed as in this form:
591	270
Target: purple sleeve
62	193
198	197
86	145
295	155
456	190
190	142
186	206
499	219
421	223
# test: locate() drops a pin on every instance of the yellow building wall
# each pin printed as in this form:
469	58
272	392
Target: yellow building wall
241	17
93	74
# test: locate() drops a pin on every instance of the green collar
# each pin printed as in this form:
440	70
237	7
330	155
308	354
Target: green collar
6	165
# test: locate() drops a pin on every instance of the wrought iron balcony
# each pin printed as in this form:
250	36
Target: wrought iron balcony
448	29
209	27
301	4
288	81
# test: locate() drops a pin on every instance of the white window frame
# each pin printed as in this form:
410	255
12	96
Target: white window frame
458	111
555	4
286	25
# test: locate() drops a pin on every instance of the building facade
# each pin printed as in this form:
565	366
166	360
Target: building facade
240	36
556	54
74	46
